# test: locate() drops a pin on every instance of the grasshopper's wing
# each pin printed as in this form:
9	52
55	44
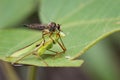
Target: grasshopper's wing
26	49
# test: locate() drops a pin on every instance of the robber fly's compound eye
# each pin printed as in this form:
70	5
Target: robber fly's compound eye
52	26
58	26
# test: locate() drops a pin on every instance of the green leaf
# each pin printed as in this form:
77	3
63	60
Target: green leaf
85	23
14	11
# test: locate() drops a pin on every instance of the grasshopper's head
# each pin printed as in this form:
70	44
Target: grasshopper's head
62	34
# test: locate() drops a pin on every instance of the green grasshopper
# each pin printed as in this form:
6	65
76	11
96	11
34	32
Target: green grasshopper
51	34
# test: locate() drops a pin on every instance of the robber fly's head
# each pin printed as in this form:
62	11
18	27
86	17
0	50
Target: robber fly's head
53	27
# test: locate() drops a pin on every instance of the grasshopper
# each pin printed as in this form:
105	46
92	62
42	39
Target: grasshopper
51	34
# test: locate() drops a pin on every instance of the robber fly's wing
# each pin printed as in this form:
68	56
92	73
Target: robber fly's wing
36	26
26	49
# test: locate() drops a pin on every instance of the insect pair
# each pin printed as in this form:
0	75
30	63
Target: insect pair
51	34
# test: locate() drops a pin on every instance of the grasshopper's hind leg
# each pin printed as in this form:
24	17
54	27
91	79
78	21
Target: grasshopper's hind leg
61	44
56	52
19	59
40	58
43	61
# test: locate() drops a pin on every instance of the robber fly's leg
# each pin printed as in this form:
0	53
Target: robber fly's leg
62	47
43	34
56	53
61	44
51	37
43	37
53	52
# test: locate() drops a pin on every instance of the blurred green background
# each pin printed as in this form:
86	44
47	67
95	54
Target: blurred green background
102	61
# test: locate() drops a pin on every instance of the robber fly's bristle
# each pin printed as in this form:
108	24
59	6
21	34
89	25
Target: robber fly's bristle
35	26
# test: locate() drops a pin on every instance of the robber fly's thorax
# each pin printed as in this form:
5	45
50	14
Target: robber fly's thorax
52	27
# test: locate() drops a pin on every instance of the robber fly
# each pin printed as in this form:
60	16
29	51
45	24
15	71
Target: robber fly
54	34
46	29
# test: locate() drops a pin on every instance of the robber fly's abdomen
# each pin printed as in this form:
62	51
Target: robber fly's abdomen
35	26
